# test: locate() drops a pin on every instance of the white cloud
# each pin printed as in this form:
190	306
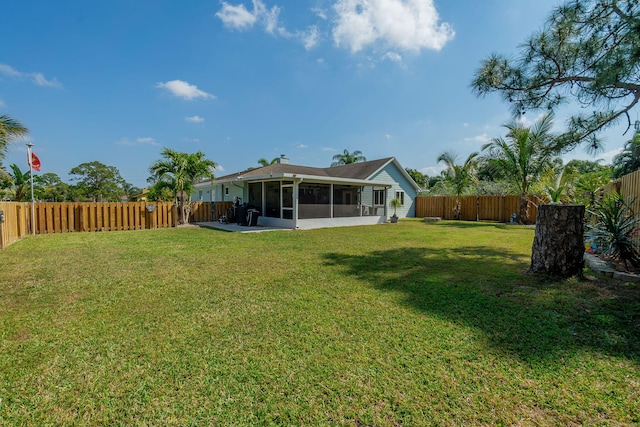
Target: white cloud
302	146
482	138
320	13
236	17
37	78
9	71
241	19
146	140
40	80
392	56
194	119
184	90
138	141
328	149
432	170
409	25
388	136
310	38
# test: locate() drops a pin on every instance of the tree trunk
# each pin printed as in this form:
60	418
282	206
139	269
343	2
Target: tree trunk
524	209
558	246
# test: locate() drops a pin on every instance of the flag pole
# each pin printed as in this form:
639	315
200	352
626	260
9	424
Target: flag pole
33	206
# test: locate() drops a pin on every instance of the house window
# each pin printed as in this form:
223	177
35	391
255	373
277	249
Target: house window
200	195
378	197
314	201
255	195
400	195
272	193
345	200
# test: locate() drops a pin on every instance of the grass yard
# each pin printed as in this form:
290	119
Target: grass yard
408	324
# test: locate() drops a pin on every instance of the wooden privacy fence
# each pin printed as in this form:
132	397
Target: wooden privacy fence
474	208
628	186
68	217
208	211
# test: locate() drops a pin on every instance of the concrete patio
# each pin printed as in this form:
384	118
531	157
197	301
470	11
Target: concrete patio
236	228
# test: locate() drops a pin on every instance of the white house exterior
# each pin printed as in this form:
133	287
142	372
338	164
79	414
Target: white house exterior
301	197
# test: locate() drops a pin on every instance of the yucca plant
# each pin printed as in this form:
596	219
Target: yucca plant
614	229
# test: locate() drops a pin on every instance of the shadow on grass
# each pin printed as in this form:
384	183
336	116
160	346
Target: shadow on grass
534	318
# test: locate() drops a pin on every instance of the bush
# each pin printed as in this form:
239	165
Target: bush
614	229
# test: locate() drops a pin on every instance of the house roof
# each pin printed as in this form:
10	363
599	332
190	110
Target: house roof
360	172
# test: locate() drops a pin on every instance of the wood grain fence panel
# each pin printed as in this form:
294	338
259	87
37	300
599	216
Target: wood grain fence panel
469	208
142	214
473	208
14	227
164	220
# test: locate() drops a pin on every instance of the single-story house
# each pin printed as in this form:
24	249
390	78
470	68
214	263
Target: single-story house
292	196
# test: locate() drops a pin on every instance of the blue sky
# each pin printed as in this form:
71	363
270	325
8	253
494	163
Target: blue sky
116	81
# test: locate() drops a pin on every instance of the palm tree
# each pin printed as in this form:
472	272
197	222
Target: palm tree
19	183
629	159
264	162
346	158
180	171
458	177
522	157
10	129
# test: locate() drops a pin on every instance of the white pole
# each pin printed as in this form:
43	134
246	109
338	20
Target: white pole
33	206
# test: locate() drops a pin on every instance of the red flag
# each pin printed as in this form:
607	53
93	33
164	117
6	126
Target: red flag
35	161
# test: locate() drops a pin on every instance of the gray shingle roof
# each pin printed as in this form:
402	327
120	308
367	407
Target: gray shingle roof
361	170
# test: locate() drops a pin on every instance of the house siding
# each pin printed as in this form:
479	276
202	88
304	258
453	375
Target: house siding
393	176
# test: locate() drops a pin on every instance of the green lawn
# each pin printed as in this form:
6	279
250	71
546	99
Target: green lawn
406	324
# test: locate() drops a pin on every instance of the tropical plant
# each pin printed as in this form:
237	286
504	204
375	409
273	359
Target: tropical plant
180	171
10	129
18	184
614	229
97	182
587	52
264	162
395	203
50	187
522	157
421	179
629	159
458	178
346	158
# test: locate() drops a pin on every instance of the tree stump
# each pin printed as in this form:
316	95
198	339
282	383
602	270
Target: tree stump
558	246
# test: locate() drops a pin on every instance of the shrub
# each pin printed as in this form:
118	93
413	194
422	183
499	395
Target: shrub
614	229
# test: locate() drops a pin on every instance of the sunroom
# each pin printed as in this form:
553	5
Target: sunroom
301	202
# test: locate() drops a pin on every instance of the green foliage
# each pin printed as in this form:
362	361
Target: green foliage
421	179
587	52
458	178
10	129
50	188
346	158
614	228
160	191
97	182
395	203
18	185
179	172
523	155
264	162
629	159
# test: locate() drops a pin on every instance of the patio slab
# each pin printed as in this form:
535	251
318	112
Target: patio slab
235	228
